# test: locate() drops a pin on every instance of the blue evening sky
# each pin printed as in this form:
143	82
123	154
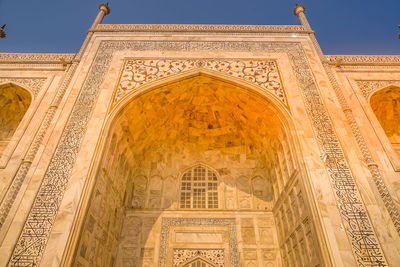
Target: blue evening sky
342	27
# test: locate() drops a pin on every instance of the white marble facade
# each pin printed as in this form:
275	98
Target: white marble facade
199	145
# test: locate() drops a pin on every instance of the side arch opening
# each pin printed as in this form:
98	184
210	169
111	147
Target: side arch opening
14	102
385	103
134	216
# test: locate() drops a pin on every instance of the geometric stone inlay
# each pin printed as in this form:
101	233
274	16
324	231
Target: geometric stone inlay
210	255
137	72
182	256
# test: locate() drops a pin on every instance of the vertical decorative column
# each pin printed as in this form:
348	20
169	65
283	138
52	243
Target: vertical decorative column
367	157
35	254
360	213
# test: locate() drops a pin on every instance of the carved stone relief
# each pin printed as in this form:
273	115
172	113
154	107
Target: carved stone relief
139	192
155	192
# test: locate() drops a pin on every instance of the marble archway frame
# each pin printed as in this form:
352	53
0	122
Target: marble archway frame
38	225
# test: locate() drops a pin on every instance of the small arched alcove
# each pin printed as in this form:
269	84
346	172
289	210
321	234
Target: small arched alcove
230	143
386	105
14	102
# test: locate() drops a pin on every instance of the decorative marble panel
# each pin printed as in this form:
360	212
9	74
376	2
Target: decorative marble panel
137	72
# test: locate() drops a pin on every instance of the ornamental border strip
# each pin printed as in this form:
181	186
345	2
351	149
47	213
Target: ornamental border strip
34	57
198	28
32	241
364	59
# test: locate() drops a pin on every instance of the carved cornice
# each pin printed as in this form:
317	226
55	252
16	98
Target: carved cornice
197	28
34	58
364	59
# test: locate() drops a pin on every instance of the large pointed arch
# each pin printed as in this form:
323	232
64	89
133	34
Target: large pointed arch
117	123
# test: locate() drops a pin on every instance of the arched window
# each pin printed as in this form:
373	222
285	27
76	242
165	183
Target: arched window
199	189
14	102
386	106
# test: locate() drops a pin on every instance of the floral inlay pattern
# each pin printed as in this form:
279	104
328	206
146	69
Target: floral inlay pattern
182	256
138	72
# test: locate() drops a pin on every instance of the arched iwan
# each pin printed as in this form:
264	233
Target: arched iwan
158	134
